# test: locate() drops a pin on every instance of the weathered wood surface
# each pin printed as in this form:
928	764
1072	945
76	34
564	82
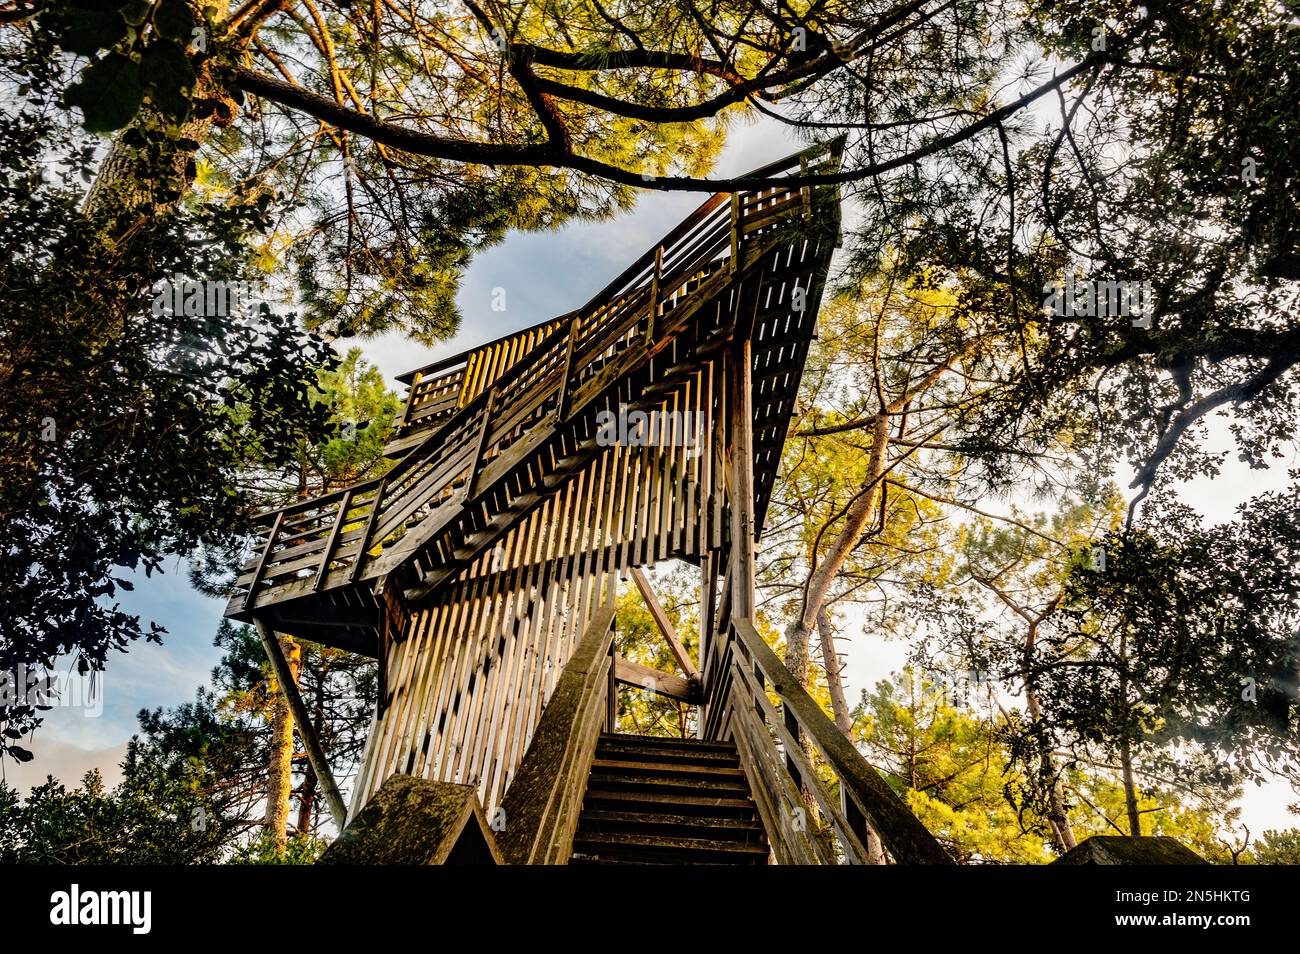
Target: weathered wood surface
412	821
653	680
541	807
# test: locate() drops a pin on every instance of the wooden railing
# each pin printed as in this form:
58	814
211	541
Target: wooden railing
437	391
367	530
813	813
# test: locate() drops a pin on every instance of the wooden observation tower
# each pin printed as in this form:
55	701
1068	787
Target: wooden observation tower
531	475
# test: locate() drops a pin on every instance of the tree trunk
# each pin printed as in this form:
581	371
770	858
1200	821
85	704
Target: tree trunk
306	802
1125	747
134	191
1057	817
843	718
279	776
855	521
1130	789
834	680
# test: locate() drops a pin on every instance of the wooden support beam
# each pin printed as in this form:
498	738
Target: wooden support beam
653	680
740	457
302	719
665	625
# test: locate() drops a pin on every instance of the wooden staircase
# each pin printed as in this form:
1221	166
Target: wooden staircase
481	445
653	800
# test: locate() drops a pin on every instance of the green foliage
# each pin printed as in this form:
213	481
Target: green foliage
226	731
124	430
1171	810
144	48
299	849
951	763
950	767
150	818
1189	636
362	411
1278	848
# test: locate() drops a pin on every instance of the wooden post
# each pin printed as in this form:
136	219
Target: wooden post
611	701
251	595
654	293
708	604
306	731
322	571
740	457
364	544
734	265
805	193
410	401
485	428
562	405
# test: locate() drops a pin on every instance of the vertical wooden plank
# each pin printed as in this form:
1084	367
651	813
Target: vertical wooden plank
740	453
528	666
733	263
251	596
514	667
399	712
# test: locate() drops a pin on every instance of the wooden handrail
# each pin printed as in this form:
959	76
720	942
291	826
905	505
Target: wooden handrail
901	831
544	799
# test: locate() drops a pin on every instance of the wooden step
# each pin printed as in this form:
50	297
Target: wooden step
636	847
680	826
664	742
726	787
649	803
665	769
663	756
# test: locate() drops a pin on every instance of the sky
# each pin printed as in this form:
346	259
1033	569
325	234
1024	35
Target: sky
543	274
